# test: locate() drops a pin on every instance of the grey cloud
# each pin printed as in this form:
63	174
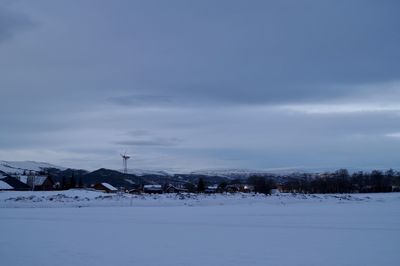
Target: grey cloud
223	52
209	67
150	142
139	133
11	23
140	100
263	52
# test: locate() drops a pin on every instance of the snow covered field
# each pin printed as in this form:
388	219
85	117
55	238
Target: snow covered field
48	228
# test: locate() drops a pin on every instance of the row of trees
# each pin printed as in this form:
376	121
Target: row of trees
342	182
337	182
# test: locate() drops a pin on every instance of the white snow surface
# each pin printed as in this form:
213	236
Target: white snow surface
47	228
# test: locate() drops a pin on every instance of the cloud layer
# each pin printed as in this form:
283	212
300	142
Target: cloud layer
200	84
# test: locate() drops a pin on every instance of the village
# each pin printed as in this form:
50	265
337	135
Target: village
33	181
111	181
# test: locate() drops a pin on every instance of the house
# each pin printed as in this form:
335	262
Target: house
5	186
395	188
135	189
154	189
239	188
105	187
15	183
247	188
173	189
233	188
274	191
211	189
40	182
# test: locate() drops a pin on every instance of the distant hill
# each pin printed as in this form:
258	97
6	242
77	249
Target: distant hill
18	167
158	176
134	176
113	177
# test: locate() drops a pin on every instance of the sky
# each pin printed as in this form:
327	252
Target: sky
201	84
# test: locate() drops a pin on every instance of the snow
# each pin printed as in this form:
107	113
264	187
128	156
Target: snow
188	229
39	180
162	172
4	185
109	187
19	167
240	172
23	179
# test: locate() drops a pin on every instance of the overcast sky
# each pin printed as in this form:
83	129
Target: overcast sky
201	84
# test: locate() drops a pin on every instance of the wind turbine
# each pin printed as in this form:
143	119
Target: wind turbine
125	158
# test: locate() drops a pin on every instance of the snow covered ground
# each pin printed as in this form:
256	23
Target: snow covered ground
47	228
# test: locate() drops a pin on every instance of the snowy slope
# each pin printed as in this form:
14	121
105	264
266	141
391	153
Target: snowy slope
19	167
244	173
229	173
156	171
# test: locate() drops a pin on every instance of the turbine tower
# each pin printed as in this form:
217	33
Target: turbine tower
125	158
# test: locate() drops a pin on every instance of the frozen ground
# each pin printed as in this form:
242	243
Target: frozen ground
361	229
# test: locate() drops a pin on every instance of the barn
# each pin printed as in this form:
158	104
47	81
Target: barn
40	182
154	189
105	187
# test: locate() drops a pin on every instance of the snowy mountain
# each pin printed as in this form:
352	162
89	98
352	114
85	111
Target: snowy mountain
19	167
229	173
12	167
162	172
245	173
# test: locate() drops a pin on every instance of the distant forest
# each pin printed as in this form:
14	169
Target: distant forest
339	181
342	182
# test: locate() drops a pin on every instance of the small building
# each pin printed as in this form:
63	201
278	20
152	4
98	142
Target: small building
105	187
40	182
173	189
245	188
274	191
134	189
211	189
153	189
233	188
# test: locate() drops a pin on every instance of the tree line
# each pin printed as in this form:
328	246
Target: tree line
342	182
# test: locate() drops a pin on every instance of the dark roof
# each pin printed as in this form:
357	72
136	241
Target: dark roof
15	183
